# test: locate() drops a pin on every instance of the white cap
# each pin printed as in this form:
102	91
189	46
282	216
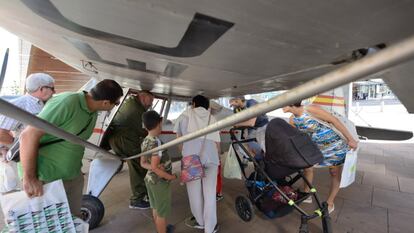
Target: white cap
38	80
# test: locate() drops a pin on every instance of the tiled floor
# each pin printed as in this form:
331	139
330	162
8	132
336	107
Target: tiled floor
381	200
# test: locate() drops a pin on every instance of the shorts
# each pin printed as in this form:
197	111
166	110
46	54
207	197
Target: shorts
159	195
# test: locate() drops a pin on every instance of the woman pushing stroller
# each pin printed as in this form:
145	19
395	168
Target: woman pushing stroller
315	122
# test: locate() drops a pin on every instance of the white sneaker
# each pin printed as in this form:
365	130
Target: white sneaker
330	210
308	200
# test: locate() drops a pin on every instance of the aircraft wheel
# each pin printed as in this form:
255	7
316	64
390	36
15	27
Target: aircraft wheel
244	208
92	210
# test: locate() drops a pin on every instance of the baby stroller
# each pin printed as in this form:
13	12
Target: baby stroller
288	152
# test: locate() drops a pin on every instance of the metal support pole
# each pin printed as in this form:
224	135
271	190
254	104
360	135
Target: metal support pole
3	68
162	106
167	109
384	59
14	112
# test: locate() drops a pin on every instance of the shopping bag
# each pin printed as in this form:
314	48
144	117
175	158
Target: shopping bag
232	167
349	169
80	225
8	176
44	214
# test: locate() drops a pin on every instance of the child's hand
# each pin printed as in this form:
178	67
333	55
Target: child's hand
173	177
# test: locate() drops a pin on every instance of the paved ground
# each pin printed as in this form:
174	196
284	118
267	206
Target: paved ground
381	200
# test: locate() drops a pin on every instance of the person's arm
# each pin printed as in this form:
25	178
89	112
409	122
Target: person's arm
177	128
250	122
7	126
218	147
328	117
6	137
155	167
29	146
291	121
144	163
180	146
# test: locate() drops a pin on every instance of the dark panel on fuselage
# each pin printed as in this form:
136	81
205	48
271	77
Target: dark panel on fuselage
201	33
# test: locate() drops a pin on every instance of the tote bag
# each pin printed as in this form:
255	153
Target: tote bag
47	213
231	167
349	169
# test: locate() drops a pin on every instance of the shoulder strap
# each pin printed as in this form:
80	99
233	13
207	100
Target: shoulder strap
61	140
205	136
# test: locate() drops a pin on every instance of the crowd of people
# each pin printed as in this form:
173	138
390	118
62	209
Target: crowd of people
45	158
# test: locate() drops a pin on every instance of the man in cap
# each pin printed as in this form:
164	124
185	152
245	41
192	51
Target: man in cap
39	88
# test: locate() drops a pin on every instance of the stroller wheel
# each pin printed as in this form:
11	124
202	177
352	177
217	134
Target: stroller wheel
244	208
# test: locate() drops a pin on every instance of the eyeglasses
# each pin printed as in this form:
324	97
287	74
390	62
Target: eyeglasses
51	88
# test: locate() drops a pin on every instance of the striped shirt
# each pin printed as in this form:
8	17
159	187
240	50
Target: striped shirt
26	102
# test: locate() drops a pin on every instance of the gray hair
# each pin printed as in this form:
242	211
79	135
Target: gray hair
38	80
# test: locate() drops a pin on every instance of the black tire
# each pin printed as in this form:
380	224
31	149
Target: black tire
244	208
92	210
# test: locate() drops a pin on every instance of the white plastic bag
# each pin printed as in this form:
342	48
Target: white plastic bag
80	225
8	176
231	167
349	169
48	213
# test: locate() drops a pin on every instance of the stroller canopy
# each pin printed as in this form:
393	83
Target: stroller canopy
288	147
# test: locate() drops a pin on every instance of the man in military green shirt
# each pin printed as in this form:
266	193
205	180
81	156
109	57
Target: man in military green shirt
75	113
127	134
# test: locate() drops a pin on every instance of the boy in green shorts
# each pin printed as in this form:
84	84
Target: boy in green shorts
159	173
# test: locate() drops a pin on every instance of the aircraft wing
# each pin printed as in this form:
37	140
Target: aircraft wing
400	80
218	48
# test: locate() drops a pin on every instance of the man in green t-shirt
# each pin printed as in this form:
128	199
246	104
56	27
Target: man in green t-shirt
75	113
127	134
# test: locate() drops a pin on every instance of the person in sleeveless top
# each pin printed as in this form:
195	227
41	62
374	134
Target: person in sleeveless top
314	121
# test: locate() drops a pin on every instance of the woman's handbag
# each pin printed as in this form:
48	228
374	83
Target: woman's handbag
191	167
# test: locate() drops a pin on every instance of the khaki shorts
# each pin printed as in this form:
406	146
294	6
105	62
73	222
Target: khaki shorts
160	197
73	189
